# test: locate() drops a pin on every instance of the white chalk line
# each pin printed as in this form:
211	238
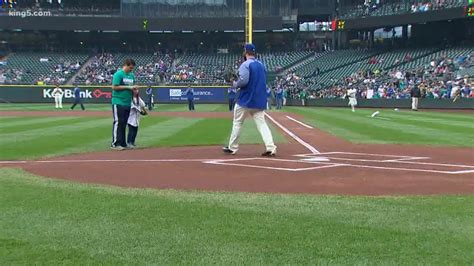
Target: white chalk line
299	122
267	159
312	149
321	164
401	160
361	153
108	161
13	162
405	169
275	168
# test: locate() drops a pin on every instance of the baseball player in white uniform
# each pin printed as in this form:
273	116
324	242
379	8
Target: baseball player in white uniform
351	94
58	94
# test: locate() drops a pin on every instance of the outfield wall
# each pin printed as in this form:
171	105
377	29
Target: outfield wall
103	94
391	103
176	94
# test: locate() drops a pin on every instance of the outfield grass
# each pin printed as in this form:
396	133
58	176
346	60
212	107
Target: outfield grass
53	222
397	127
37	137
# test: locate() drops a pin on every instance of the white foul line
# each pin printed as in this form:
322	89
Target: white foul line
312	149
108	161
299	122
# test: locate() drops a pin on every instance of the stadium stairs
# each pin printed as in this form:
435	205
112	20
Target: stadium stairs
71	80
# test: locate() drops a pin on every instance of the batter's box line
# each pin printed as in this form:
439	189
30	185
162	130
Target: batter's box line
397	157
386	161
412	169
274	168
265	159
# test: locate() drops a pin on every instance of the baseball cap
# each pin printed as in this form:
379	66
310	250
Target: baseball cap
250	47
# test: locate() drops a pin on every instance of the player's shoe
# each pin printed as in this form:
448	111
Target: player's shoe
228	151
117	148
269	154
131	146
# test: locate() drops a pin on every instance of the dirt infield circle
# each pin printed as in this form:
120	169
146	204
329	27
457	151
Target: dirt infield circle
313	162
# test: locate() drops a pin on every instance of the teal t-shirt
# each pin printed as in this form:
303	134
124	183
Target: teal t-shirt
123	97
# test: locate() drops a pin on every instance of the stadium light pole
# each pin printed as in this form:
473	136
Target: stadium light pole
248	21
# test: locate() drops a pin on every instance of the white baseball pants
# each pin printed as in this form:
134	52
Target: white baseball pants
58	100
414	103
240	113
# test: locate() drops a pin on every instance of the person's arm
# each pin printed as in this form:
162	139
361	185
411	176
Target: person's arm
244	76
116	83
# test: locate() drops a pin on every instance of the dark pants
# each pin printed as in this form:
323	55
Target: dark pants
149	102
76	102
191	105
121	114
279	103
132	134
231	104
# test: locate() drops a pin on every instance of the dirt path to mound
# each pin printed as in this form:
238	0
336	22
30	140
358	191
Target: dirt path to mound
313	162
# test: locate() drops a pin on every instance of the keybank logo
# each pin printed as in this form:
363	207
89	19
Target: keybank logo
68	94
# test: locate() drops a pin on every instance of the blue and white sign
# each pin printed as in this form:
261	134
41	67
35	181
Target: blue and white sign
203	94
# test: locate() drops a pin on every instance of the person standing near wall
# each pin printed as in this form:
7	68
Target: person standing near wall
77	98
303	96
149	98
279	97
269	98
352	95
415	97
58	94
190	96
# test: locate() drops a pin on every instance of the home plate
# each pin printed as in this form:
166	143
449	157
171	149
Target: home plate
316	159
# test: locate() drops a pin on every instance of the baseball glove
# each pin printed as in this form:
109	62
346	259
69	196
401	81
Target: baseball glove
143	112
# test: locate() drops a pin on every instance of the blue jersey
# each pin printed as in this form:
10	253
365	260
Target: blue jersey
149	91
232	92
252	84
190	94
279	93
77	93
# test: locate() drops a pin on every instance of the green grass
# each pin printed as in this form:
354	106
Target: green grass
402	127
51	222
37	137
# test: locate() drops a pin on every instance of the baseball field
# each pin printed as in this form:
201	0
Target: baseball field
345	188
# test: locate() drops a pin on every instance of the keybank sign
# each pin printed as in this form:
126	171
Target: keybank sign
87	94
